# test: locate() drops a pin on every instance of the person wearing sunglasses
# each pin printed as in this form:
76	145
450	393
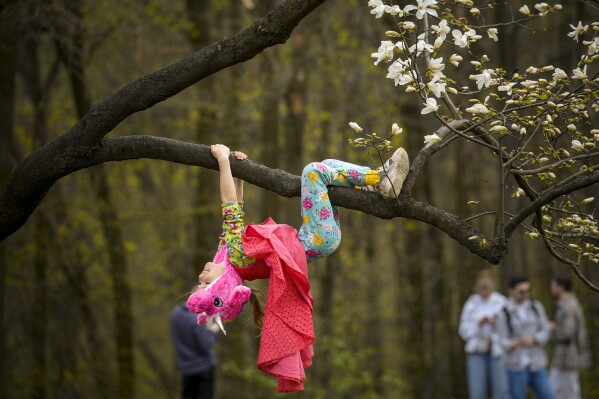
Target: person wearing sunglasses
524	331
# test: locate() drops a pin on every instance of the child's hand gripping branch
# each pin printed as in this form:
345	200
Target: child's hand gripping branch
231	188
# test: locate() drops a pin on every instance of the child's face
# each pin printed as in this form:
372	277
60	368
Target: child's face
210	273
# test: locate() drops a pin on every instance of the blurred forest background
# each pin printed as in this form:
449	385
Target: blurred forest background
90	280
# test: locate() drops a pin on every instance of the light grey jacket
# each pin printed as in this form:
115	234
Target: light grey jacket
512	326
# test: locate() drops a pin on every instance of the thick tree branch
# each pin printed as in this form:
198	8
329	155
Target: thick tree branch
288	185
32	179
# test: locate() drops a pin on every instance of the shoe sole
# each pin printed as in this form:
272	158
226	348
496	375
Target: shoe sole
397	168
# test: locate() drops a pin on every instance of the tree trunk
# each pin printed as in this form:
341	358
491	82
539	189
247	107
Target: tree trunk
295	98
72	57
122	312
31	71
373	326
8	55
39	315
269	139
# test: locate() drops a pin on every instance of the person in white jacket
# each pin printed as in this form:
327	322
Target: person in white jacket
478	329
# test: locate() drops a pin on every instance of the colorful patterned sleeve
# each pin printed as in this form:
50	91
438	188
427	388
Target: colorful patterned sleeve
231	236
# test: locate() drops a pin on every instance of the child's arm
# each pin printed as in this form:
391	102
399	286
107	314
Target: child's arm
238	189
227	184
231	192
238	182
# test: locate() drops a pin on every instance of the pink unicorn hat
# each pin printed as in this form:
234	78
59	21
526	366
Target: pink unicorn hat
223	299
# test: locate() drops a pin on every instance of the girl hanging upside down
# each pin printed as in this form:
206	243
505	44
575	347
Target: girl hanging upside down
280	252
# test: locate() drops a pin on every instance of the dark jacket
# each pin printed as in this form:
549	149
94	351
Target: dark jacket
193	343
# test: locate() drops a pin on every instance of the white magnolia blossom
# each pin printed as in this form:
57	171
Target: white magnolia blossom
529	83
442	29
398	69
593	45
492	32
378	8
431	138
577	145
422	8
475	11
484	79
524	10
356	127
436	65
463	39
395	129
405	79
577	30
455	59
519	192
587	200
438	43
395	11
478	108
580	73
498	129
436	87
421	46
543	8
385	52
408	25
430	106
507	88
559	74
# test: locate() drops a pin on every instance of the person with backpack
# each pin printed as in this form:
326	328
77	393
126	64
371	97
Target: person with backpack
524	331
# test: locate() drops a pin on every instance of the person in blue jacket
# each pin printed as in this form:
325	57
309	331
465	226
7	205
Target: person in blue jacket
193	347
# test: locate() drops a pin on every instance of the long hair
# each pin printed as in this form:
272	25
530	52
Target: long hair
257	308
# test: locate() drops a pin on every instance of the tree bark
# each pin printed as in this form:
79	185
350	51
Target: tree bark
8	54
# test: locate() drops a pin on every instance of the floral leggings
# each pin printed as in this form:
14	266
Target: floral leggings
320	232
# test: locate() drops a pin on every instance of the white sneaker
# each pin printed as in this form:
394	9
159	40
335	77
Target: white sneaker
394	173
